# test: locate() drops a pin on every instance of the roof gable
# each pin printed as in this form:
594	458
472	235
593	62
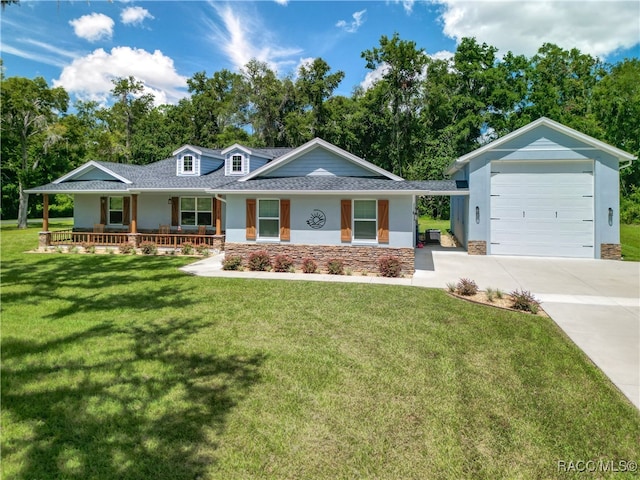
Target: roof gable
551	136
282	166
92	171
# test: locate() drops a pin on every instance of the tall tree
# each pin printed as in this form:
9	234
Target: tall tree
30	110
130	106
402	65
316	85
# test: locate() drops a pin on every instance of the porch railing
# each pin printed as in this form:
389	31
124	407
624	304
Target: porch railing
171	240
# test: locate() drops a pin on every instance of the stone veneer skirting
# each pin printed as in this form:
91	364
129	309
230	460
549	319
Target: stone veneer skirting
477	247
357	258
610	251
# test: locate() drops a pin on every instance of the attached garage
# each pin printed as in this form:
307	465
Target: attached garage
542	190
542	208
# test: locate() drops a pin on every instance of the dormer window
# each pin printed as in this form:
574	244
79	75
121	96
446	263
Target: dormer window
187	164
236	164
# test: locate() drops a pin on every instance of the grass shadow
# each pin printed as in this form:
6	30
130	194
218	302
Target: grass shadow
148	409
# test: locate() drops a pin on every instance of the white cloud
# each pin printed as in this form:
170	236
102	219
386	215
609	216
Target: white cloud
597	27
134	15
441	55
352	27
240	43
304	62
93	27
282	2
406	4
90	77
373	76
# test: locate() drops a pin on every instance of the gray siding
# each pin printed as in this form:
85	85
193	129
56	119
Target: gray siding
320	162
95	174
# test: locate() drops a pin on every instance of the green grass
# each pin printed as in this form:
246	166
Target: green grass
630	240
123	367
425	222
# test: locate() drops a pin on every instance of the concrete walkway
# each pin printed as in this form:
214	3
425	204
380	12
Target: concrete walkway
595	302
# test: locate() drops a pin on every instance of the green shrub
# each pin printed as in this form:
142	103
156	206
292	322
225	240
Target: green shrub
127	249
309	266
451	287
389	266
187	248
73	249
525	301
630	206
259	261
490	293
232	263
203	249
89	247
148	248
282	263
499	293
466	287
335	266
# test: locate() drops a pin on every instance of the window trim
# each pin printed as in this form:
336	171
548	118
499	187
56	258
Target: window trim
354	220
109	210
195	211
233	165
184	164
259	218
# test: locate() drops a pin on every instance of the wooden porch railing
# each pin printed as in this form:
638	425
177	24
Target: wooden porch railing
174	240
66	237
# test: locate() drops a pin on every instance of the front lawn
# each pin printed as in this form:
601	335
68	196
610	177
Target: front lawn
123	367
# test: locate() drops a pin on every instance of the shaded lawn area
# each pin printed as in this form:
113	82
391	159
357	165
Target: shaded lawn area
123	367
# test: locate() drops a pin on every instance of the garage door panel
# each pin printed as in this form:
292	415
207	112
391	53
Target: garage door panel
542	208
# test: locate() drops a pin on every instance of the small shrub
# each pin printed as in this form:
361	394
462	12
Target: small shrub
335	266
232	263
148	248
127	249
187	248
110	251
389	266
73	249
282	263
203	249
525	301
490	293
451	287
89	247
58	249
499	293
309	266
466	287
348	272
259	261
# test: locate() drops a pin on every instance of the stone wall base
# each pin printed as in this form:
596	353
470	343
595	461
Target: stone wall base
44	240
477	247
356	258
610	251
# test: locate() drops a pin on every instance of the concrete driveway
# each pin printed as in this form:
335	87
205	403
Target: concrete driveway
595	302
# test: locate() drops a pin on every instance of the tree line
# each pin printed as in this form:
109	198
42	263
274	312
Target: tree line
419	116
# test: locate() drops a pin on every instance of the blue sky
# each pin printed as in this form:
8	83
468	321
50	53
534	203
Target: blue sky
82	45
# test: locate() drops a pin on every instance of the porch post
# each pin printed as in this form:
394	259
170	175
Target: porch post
134	213
45	212
218	216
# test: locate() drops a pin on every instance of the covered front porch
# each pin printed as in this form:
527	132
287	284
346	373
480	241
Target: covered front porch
125	229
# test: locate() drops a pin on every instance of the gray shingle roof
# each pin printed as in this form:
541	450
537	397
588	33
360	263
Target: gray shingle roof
331	183
161	175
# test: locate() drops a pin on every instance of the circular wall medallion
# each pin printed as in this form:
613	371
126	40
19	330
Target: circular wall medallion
317	219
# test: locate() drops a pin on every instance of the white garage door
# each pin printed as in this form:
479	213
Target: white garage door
542	208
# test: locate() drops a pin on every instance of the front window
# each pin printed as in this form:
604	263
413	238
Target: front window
269	218
187	164
236	164
195	211
115	210
365	224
